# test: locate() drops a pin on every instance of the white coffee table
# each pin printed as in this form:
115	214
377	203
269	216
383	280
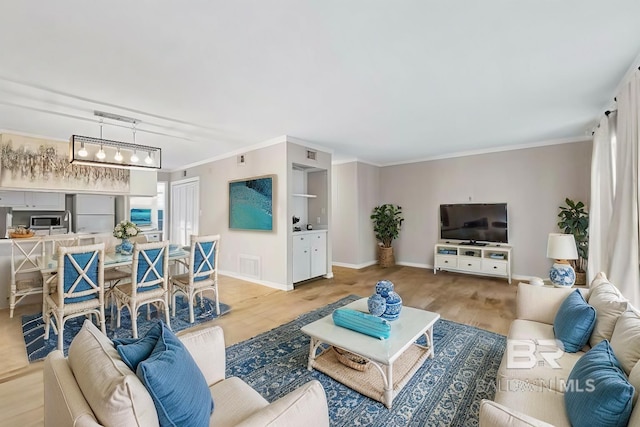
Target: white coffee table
411	324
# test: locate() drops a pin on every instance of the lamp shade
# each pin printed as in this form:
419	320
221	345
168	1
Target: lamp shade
561	246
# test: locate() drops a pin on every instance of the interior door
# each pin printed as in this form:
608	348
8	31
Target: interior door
185	210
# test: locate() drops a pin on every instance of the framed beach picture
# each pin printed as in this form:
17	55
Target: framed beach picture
251	203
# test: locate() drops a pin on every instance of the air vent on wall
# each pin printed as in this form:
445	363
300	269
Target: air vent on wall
311	155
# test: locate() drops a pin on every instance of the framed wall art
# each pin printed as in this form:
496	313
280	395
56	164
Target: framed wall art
251	203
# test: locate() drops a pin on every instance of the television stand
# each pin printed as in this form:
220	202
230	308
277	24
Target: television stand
476	258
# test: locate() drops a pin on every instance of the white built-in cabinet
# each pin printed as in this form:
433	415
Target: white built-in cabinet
309	254
32	200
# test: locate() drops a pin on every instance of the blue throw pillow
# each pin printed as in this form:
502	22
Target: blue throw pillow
135	350
176	384
598	392
574	322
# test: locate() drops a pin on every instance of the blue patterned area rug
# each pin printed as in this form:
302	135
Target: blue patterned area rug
38	347
445	391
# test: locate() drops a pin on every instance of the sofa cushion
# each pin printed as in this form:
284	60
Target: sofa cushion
541	360
177	387
538	402
574	322
114	393
598	393
539	303
135	350
609	304
494	414
625	340
237	398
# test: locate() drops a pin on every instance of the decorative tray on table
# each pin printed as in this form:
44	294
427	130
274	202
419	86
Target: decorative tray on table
21	236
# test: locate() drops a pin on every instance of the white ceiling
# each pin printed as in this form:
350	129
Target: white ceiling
381	81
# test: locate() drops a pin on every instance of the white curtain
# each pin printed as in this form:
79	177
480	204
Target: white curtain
602	191
624	267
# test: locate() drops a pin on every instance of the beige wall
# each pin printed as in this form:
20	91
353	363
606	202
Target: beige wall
267	247
533	182
356	192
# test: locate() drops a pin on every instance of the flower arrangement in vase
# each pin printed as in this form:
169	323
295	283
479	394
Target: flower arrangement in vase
124	230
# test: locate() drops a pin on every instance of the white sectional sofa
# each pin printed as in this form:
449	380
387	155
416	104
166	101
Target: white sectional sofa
94	387
535	395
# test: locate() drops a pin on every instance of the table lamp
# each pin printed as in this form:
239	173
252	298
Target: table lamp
562	247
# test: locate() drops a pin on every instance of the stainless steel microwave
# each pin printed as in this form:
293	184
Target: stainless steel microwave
45	221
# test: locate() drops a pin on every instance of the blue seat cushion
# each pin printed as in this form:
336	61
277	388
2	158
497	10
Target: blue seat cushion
71	275
598	392
176	384
574	322
135	350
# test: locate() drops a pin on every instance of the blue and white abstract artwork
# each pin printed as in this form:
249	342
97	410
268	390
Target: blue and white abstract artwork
251	204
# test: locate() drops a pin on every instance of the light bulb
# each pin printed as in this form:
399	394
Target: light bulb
148	160
101	155
82	152
134	157
118	156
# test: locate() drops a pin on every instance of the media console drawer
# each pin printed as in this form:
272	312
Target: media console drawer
469	263
495	267
445	261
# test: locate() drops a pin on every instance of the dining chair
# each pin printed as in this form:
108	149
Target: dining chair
149	282
80	288
201	275
26	279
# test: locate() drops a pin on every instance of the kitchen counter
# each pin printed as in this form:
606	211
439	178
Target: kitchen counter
298	233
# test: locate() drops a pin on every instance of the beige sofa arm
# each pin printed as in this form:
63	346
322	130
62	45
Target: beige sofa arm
64	404
540	303
493	414
206	346
305	406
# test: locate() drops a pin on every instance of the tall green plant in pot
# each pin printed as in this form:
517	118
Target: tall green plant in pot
387	220
574	219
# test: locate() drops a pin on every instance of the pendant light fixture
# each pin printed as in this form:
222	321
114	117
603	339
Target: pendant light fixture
104	152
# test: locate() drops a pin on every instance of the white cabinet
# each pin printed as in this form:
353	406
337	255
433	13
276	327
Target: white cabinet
490	260
33	200
40	201
13	199
309	255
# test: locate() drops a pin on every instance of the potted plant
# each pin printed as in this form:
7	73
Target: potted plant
574	219
387	220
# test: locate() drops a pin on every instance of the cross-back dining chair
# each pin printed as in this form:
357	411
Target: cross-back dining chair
79	290
202	272
26	279
149	282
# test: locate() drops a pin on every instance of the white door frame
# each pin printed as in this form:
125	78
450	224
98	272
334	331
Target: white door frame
178	216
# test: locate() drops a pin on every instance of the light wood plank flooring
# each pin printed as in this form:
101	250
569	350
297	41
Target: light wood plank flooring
478	301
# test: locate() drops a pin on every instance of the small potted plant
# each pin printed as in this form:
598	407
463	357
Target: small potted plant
574	219
387	220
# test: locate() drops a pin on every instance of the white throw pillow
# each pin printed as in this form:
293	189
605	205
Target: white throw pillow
625	340
114	392
609	304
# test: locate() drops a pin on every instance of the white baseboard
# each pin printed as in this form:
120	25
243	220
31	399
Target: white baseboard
354	266
280	286
414	264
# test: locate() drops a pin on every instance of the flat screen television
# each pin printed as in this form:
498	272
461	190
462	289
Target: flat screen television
474	222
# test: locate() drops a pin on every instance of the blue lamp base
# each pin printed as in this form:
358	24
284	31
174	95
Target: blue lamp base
562	275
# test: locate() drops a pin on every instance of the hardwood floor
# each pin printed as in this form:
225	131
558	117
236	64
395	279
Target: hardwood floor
483	302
